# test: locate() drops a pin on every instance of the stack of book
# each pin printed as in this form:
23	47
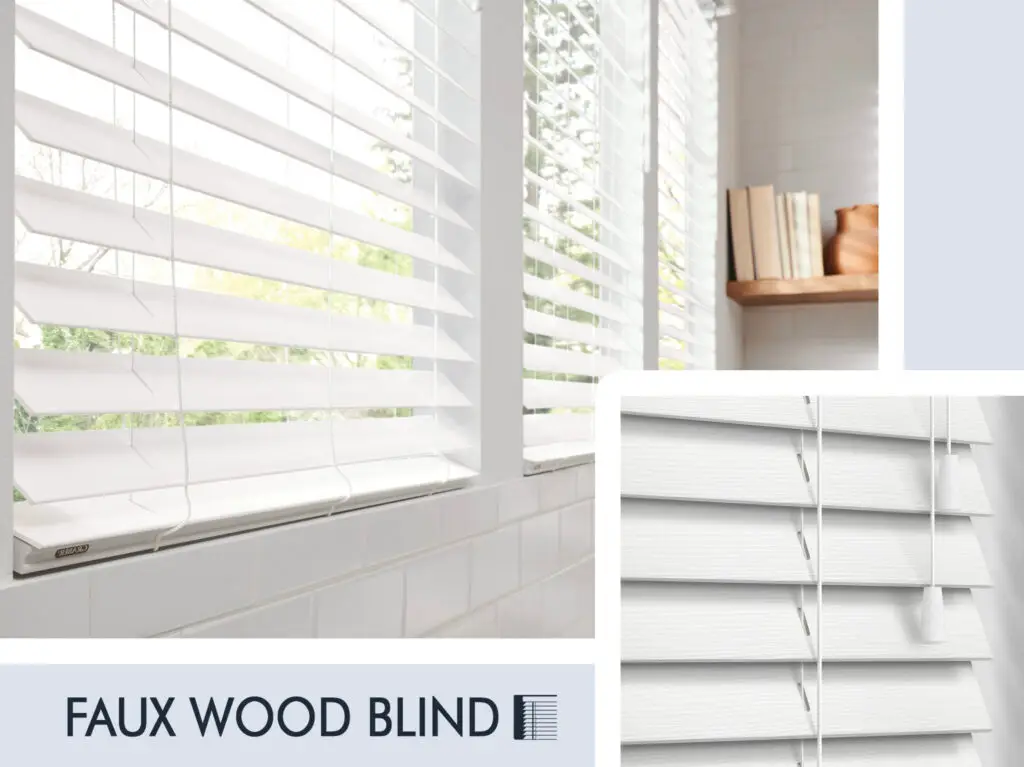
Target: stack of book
775	237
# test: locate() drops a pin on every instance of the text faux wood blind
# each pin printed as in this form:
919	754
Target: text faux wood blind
719	612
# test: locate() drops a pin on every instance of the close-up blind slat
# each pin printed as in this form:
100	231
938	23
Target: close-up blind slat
723	559
240	229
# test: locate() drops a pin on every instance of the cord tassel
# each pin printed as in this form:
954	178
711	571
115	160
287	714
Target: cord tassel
949	470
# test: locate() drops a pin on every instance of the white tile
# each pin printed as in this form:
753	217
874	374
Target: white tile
518	499
300	556
558	488
401	529
585	481
495	565
290	619
437	589
481	624
369	607
468	514
576	532
521	615
539	546
46	606
158	592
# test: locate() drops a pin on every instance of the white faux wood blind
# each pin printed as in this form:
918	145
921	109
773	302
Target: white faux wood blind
719	605
239	225
687	184
583	112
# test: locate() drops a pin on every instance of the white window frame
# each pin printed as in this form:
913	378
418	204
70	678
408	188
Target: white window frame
495	384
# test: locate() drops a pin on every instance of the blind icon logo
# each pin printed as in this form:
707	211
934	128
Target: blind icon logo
535	717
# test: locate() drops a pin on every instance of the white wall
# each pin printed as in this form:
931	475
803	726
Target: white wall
728	315
511	560
1002	607
808	120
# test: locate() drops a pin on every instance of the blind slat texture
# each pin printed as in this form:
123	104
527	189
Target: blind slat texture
722	633
692	703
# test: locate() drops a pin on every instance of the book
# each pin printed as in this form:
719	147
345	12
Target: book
802	235
785	246
794	245
817	248
742	245
764	232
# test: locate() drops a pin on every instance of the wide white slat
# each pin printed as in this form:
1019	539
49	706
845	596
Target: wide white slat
929	751
547	428
565	296
115	461
563	229
71	131
539	394
58	212
69	47
664	458
545	359
905	417
50	382
65	297
686	622
546	255
690	703
543	324
323	40
275	497
223	45
662	540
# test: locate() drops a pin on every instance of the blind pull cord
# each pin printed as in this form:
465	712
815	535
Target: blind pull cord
933	623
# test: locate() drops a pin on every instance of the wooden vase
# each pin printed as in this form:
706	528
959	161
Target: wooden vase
854	248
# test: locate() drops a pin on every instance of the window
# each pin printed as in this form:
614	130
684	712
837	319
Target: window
237	234
687	184
584	144
249	280
722	557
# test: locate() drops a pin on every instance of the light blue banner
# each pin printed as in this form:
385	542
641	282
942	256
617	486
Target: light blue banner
110	716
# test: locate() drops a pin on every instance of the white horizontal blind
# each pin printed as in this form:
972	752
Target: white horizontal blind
584	148
237	221
687	184
719	608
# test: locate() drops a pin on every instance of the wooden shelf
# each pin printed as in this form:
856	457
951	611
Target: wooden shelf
835	289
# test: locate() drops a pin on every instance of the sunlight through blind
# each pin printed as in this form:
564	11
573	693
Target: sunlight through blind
237	226
584	124
687	185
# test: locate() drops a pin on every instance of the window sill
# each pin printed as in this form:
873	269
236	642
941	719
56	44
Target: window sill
52	536
561	455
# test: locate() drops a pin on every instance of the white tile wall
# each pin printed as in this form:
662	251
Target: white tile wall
514	560
808	120
825	337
